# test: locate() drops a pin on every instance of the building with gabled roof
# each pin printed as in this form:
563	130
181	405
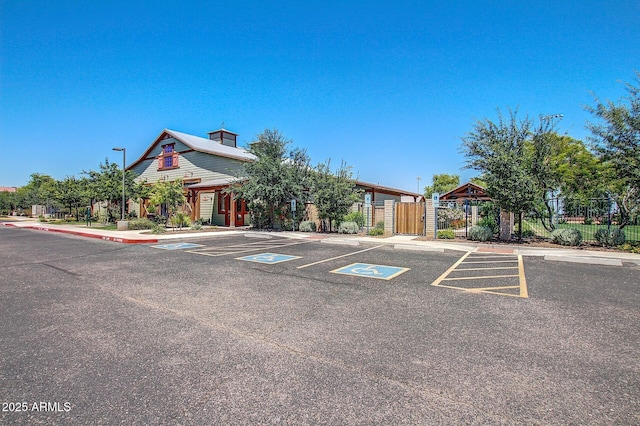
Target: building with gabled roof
208	167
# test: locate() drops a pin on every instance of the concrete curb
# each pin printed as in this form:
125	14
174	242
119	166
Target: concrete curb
88	234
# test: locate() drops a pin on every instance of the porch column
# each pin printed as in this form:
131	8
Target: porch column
232	210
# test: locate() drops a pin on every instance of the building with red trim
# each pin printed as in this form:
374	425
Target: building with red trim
208	167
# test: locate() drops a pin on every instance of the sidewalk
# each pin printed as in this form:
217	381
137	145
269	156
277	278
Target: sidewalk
407	242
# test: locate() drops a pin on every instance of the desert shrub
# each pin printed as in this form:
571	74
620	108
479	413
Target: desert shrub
528	233
566	237
380	225
160	220
196	226
181	219
158	229
489	222
142	223
356	217
613	237
374	232
348	228
446	234
480	233
307	226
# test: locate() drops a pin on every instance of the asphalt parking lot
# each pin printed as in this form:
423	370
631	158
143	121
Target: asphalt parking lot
267	330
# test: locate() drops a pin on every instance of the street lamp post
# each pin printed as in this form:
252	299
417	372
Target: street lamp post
124	160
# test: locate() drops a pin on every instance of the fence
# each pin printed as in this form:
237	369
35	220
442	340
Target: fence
460	216
587	217
409	218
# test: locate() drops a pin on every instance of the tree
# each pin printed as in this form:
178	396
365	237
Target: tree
72	192
40	190
106	185
7	202
616	138
333	193
498	150
441	183
168	193
273	179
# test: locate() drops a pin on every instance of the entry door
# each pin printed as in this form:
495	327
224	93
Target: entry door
240	207
241	210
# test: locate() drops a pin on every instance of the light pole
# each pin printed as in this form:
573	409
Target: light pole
550	118
418	178
124	160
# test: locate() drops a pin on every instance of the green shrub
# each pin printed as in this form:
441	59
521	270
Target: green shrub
588	221
374	232
307	226
613	237
480	233
567	237
143	223
380	225
196	226
158	229
181	219
160	220
446	234
489	222
348	228
356	217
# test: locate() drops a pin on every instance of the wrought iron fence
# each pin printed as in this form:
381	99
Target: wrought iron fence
460	216
587	217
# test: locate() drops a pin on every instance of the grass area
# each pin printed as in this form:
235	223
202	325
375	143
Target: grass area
631	231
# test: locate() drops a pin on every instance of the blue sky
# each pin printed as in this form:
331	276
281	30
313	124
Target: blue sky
390	87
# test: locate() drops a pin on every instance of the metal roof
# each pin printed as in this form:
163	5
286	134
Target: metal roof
211	147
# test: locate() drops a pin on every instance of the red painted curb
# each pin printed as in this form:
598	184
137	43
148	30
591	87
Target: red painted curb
87	235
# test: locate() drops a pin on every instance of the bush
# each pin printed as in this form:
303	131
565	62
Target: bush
613	237
160	220
181	219
446	234
380	225
307	226
356	217
489	222
374	232
196	226
348	228
567	237
158	229
588	221
143	223
480	233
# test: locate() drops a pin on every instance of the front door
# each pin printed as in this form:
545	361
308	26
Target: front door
240	209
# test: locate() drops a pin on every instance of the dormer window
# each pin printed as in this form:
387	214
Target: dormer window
168	159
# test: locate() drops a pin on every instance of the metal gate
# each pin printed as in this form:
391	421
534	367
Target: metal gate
409	218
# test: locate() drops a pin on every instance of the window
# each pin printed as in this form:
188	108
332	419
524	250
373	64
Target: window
168	158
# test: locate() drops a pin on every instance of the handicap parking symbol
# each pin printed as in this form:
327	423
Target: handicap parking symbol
380	272
176	246
268	258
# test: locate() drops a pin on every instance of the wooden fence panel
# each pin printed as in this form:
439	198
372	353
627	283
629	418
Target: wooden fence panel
409	218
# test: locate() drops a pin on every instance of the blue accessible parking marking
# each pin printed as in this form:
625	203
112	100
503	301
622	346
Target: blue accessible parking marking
177	246
380	272
268	258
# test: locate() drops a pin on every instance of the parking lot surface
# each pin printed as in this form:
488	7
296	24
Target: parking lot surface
242	330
